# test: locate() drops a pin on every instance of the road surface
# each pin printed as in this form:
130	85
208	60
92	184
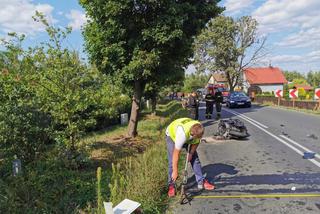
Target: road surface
268	167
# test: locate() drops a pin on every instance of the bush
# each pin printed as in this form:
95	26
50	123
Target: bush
46	186
49	100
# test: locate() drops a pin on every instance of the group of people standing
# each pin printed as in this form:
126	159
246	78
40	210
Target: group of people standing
213	97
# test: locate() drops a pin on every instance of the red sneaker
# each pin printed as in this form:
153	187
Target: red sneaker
206	185
171	191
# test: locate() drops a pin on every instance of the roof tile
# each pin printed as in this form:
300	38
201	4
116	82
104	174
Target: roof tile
266	75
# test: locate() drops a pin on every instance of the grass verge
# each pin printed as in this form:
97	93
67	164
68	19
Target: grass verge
270	104
139	166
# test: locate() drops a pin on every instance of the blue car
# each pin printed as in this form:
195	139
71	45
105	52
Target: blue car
238	99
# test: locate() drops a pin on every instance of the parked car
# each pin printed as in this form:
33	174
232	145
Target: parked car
238	99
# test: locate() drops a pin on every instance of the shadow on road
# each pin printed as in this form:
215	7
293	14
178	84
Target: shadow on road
273	179
270	183
212	171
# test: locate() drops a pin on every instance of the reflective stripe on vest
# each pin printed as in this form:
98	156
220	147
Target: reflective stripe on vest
186	124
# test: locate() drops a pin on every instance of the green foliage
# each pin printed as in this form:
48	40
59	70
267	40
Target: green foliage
194	81
301	93
49	100
228	45
291	75
144	42
49	95
46	186
144	178
313	78
99	194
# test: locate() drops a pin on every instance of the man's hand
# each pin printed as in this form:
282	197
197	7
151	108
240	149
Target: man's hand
174	175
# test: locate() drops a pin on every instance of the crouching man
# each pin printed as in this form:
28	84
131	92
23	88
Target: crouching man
180	133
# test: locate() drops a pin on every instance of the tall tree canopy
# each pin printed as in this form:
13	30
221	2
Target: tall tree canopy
291	75
230	46
313	78
139	41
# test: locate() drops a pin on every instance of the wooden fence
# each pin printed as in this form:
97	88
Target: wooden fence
310	105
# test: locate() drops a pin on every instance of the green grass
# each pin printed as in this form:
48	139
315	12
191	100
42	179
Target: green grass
144	178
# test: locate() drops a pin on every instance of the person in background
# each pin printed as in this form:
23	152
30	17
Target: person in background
218	97
193	105
209	104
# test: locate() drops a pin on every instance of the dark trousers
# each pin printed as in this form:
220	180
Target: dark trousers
195	162
194	113
209	108
218	107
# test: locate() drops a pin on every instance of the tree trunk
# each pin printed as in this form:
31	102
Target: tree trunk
135	109
153	104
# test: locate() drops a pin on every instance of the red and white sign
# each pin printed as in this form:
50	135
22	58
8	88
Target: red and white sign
293	93
278	93
317	94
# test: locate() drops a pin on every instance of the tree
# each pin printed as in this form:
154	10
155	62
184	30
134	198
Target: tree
137	40
298	81
48	95
229	46
291	75
194	81
313	78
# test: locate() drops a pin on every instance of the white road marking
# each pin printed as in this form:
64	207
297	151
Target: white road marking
237	113
277	138
297	144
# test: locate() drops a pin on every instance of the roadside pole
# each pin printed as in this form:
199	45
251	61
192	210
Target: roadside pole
293	94
317	97
278	93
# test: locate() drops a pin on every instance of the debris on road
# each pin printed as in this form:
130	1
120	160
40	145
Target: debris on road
309	155
232	128
312	136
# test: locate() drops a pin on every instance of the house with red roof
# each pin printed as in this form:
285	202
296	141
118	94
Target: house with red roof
218	78
266	79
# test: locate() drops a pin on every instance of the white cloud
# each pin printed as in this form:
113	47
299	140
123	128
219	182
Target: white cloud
285	58
236	6
311	57
277	15
77	19
16	16
303	39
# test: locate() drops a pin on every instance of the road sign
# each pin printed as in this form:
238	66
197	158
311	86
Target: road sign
278	93
293	93
317	94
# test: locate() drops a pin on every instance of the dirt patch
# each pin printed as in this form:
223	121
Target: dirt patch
110	149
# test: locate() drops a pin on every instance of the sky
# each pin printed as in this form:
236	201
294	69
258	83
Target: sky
292	27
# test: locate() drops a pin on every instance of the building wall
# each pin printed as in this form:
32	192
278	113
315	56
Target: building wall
265	88
271	88
211	80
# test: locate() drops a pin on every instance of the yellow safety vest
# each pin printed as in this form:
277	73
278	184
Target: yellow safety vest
186	124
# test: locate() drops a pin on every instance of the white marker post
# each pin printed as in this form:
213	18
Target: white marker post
317	97
278	93
293	94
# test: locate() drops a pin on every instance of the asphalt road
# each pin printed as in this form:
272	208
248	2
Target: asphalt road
268	167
